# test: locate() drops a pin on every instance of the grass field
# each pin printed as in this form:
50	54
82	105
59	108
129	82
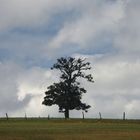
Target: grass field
73	129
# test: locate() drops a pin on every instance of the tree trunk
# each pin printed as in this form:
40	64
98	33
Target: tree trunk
66	114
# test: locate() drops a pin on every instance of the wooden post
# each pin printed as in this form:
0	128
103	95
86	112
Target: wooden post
100	115
7	116
48	117
25	116
123	115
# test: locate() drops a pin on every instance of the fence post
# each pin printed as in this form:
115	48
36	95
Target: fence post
48	117
7	116
123	115
25	116
100	115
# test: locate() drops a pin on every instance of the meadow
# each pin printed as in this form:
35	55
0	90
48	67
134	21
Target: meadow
72	129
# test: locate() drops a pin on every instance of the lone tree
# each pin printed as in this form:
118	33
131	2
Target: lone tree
67	93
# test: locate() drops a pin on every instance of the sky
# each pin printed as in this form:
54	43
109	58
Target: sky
34	33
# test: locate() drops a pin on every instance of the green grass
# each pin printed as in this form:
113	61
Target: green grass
73	129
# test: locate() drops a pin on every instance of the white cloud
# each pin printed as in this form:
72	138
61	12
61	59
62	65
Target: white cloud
94	21
31	13
8	88
21	89
128	36
116	87
34	82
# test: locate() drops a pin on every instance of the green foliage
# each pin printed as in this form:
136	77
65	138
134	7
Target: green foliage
67	93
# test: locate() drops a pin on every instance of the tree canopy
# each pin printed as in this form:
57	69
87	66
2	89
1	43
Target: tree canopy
67	94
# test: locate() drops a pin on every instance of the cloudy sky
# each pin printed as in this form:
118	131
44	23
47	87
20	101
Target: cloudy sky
34	33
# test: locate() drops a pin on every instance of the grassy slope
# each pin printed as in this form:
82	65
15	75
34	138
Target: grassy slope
75	129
